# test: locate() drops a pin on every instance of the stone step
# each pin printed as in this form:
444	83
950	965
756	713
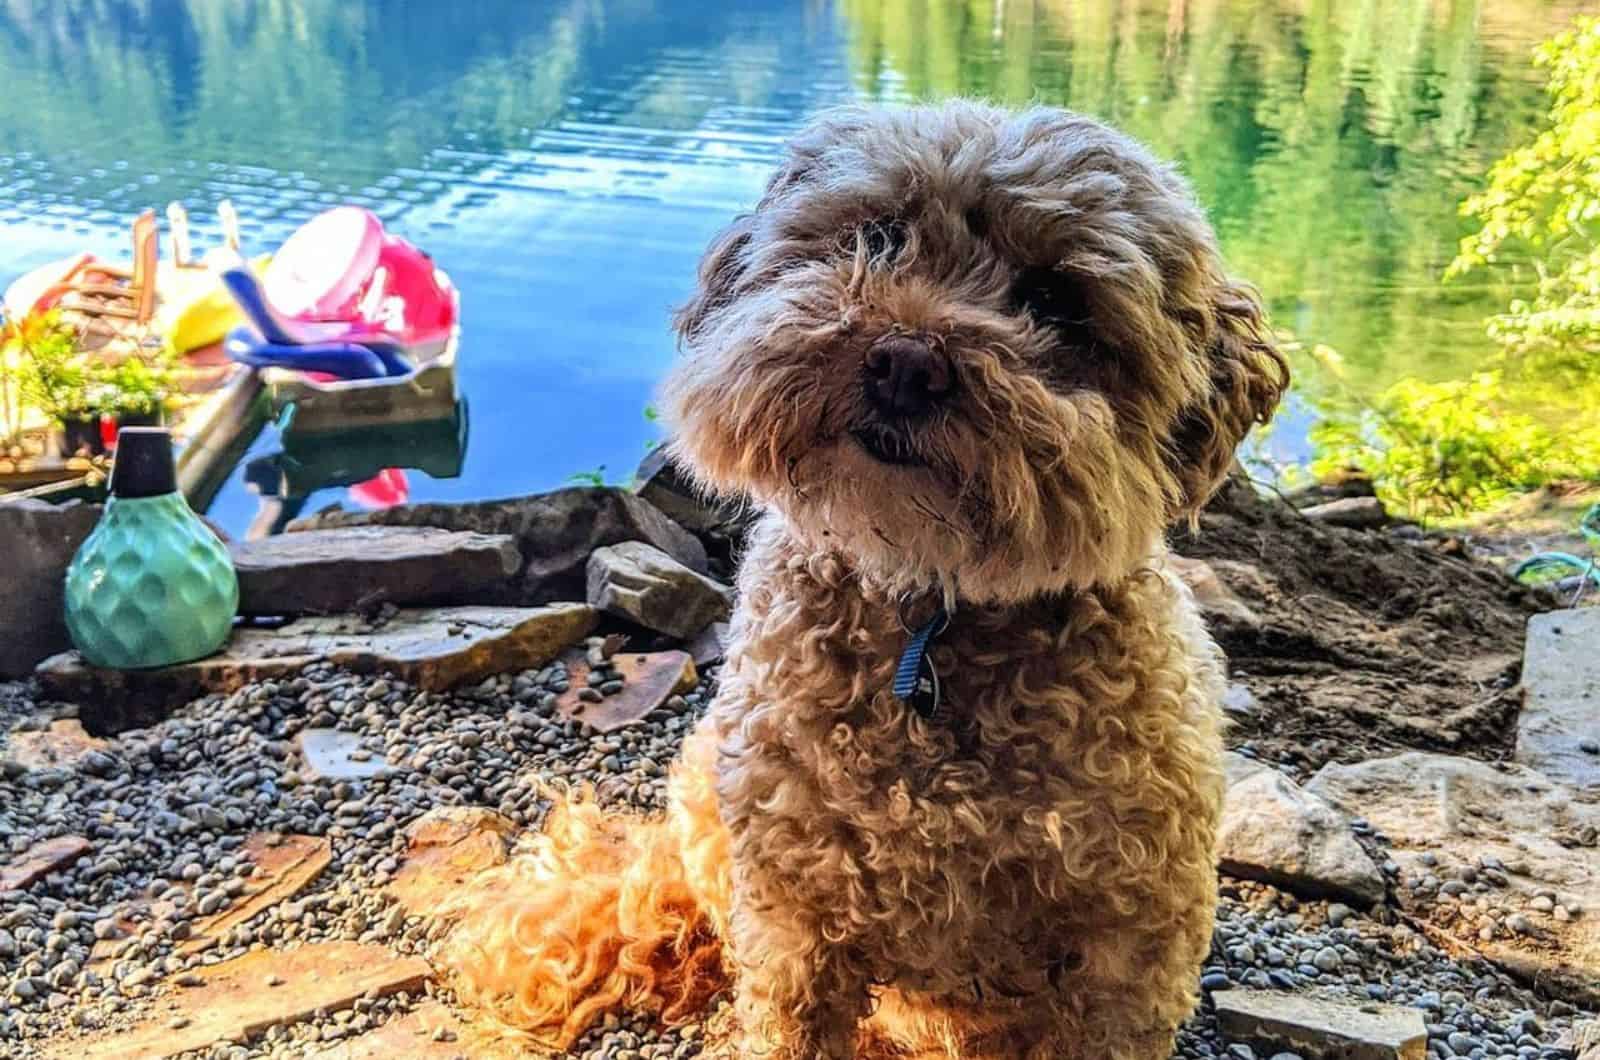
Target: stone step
245	996
1321	1028
433	649
325	572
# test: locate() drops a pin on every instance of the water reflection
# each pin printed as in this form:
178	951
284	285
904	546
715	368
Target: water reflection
565	160
369	464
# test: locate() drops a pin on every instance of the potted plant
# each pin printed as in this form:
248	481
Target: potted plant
56	379
135	391
11	385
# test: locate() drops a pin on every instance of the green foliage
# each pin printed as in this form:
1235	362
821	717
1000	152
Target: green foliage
1532	415
1447	449
137	386
595	478
1543	201
41	367
53	376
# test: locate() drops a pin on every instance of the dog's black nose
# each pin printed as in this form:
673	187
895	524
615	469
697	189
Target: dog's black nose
906	376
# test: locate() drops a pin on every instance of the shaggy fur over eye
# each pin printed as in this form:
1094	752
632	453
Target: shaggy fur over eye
956	354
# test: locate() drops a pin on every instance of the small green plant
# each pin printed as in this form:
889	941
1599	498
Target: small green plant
134	386
1440	450
55	378
597	477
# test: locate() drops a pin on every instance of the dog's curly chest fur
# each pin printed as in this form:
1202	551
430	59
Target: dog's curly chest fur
1029	807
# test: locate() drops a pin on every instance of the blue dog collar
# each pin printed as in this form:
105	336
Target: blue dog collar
916	682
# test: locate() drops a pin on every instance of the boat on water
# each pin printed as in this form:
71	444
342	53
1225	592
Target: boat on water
344	327
350	326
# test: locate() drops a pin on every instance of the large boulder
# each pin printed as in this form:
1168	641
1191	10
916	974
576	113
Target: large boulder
635	581
1275	831
323	572
38	540
555	533
433	649
1498	858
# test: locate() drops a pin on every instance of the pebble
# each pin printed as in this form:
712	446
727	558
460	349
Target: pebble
170	813
180	797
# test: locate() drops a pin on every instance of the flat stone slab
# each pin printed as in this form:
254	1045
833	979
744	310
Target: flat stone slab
40	860
325	572
555	533
63	745
234	999
1583	1039
649	679
1321	1029
428	1032
329	754
434	649
285	866
1558	732
1274	830
283	870
1465	831
710	645
445	848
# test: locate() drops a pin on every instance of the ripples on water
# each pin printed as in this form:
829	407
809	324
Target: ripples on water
566	161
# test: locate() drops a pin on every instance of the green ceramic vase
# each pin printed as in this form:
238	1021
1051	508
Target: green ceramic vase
152	585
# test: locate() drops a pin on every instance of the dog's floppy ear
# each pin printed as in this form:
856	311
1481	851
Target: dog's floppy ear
720	271
1247	377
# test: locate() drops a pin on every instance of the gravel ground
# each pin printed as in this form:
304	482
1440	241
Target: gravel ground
175	802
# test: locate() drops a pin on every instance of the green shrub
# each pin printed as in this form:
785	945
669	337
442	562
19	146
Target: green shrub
1532	415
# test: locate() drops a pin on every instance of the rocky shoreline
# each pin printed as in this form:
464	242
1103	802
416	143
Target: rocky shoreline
252	868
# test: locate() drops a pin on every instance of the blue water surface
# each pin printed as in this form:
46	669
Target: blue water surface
567	160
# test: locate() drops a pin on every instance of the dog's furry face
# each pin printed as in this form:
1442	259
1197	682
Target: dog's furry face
990	350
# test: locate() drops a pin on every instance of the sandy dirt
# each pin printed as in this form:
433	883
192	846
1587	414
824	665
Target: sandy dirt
1362	642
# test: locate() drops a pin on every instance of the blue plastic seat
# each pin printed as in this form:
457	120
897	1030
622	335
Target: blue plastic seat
271	340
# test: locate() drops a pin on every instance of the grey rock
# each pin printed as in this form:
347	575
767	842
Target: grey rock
329	571
1322	1029
1274	830
327	754
660	481
555	532
1561	672
1357	513
38	541
643	584
1464	812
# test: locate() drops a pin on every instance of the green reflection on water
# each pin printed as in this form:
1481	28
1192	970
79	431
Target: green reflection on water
1332	140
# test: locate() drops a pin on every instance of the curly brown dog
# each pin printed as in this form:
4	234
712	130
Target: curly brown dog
971	364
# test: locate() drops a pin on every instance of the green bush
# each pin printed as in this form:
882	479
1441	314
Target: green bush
1544	198
1532	415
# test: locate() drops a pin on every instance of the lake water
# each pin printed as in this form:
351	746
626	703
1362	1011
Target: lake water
567	160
